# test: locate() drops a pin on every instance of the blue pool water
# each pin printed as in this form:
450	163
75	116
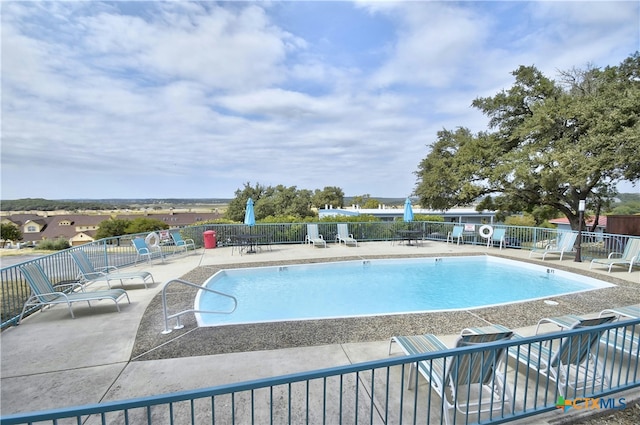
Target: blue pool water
379	287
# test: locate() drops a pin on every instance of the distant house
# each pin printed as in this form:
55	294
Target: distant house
175	220
79	229
31	226
563	224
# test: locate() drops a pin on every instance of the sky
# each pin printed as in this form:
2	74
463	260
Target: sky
196	99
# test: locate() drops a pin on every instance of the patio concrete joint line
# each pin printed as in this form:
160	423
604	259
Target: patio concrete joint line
163	344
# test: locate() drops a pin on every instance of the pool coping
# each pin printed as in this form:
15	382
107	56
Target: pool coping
151	344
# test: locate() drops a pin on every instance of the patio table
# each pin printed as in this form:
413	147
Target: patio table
249	242
409	235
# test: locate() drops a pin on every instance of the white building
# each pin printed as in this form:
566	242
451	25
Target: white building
455	215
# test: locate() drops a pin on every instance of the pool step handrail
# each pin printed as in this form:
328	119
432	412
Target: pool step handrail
177	315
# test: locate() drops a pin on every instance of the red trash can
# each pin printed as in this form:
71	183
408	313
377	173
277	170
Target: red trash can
209	239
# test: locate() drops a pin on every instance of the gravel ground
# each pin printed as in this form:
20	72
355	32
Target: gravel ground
194	341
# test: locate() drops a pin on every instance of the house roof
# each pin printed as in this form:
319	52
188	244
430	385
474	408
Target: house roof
602	221
53	229
175	219
20	219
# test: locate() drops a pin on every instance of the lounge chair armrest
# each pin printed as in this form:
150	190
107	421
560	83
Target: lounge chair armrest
614	255
72	285
45	294
106	269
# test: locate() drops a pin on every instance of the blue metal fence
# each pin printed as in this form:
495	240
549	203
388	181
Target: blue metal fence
119	251
377	391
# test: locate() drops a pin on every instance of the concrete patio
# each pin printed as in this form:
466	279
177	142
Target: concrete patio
51	361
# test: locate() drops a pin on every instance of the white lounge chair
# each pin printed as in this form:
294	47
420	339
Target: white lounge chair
631	311
570	362
630	256
89	274
452	377
43	292
344	235
564	244
625	340
314	237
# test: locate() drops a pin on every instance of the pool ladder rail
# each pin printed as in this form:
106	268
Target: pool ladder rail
177	315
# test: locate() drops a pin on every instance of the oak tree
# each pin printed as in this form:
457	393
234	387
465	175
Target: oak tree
549	145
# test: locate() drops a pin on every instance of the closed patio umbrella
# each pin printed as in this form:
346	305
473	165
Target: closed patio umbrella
408	211
249	216
250	220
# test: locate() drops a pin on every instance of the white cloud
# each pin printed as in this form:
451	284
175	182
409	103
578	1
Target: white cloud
187	99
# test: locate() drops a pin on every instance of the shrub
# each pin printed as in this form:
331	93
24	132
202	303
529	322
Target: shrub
57	244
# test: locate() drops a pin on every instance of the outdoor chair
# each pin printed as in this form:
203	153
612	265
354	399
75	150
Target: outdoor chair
89	274
627	340
144	250
453	377
630	256
344	235
181	243
456	233
565	243
44	293
497	237
573	362
314	237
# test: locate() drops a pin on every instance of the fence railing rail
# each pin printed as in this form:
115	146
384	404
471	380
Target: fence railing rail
377	391
119	251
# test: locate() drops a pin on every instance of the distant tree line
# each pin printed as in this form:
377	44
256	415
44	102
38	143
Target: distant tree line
40	204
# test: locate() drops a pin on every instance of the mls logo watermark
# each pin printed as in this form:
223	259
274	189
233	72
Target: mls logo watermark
586	403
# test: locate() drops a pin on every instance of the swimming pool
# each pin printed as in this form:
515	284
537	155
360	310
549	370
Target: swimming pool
381	287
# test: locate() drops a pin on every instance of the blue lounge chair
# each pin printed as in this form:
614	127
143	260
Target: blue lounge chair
43	292
631	311
344	235
627	340
452	377
564	244
630	256
573	363
181	243
146	251
497	237
314	237
89	274
456	233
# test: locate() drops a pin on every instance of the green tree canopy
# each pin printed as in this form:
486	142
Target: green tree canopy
145	224
330	195
120	226
112	227
549	145
270	202
9	232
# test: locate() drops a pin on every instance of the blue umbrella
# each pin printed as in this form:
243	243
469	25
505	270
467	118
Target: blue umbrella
249	216
250	220
408	211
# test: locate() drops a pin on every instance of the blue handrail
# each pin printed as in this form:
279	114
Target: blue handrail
368	392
